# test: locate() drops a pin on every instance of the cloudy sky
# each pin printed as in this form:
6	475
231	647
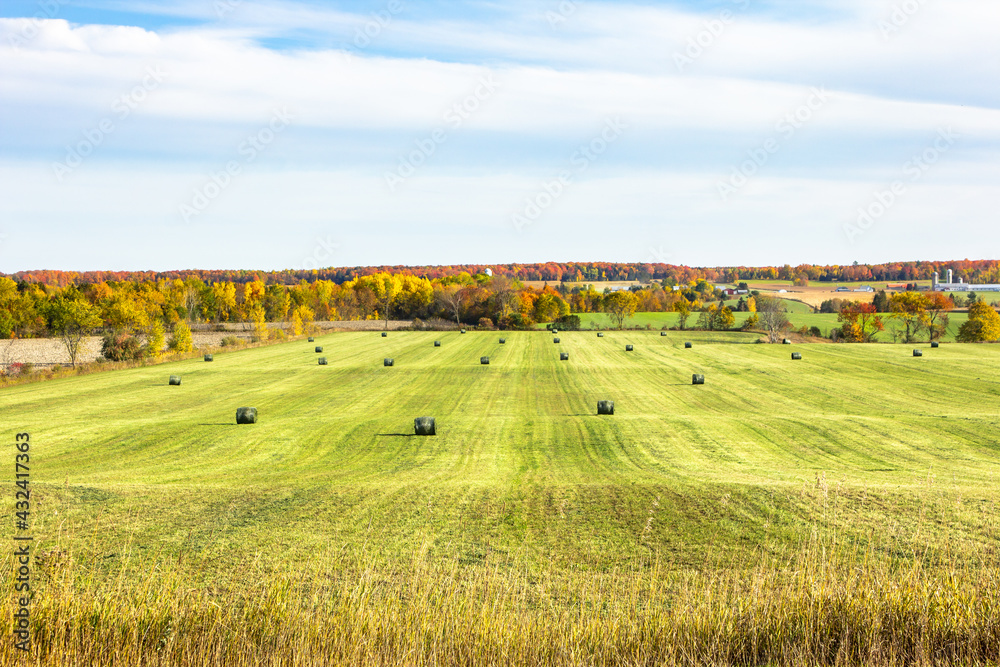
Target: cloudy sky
268	134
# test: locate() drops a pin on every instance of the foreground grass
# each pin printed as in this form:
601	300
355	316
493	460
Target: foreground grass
841	509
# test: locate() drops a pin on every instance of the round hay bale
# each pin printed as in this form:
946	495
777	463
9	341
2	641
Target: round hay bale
787	341
605	407
935	344
388	362
437	343
319	348
555	340
485	361
175	380
628	348
322	361
796	355
918	353
600	335
246	415
384	335
555	331
564	356
462	331
663	333
209	357
424	426
687	346
503	341
697	379
311	339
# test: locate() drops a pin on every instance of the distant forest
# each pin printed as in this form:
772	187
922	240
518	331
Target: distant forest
979	271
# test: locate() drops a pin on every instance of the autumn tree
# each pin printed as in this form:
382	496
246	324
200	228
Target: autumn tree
683	310
909	309
983	324
73	320
724	319
181	340
938	304
386	288
860	321
620	306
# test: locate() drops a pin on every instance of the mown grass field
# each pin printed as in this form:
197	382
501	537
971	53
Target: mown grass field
529	529
825	321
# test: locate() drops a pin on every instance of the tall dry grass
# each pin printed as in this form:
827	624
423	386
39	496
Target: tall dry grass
819	607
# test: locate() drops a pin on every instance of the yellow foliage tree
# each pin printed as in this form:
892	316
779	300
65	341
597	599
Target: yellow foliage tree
983	325
181	341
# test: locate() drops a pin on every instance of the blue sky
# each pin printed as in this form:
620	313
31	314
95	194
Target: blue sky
275	134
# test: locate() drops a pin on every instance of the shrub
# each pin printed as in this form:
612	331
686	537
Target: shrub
485	323
229	341
181	340
568	323
155	338
277	334
815	332
121	347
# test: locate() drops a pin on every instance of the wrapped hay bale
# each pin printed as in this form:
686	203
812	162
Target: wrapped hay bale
388	362
628	348
935	344
209	357
311	339
319	348
462	331
384	335
600	335
424	426
246	415
503	341
555	340
663	333
605	407
796	355
687	346
322	361
918	353
175	380
697	379
564	356
787	341
485	361
437	343
555	331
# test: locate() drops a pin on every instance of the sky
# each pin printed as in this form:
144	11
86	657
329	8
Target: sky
274	134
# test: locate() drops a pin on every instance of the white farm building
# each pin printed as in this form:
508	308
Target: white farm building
951	286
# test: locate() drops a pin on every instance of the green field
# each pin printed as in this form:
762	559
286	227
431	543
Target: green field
526	499
799	316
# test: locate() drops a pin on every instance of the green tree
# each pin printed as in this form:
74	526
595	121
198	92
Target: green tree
983	324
